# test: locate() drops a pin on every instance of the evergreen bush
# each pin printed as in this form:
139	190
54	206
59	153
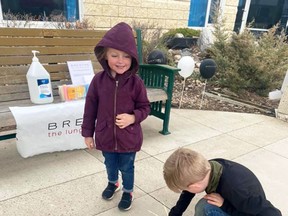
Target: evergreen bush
248	62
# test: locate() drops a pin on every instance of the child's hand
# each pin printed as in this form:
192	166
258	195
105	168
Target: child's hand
124	120
214	199
89	141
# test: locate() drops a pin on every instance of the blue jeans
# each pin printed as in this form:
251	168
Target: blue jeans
123	162
203	208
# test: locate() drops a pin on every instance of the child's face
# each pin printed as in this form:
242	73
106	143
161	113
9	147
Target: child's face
118	61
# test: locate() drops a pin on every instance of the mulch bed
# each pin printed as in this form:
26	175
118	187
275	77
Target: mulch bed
218	99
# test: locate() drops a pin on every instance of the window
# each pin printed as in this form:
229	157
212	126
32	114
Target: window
265	13
202	11
197	16
261	15
40	10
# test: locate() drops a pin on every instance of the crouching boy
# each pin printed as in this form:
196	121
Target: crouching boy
231	189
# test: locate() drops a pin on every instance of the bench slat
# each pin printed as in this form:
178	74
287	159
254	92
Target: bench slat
10	79
10	123
156	94
14	32
48	41
22	96
44	59
26	50
22	69
12	89
21	91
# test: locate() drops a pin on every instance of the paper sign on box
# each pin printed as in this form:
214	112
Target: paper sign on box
81	72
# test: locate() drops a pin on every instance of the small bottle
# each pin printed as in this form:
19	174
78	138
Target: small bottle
39	82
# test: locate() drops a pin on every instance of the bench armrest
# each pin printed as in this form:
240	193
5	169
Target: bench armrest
158	76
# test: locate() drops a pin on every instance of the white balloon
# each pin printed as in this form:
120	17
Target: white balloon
186	64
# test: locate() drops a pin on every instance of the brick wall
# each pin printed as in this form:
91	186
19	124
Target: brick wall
167	14
230	11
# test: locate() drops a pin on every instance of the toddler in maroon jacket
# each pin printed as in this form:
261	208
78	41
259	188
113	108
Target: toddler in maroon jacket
116	104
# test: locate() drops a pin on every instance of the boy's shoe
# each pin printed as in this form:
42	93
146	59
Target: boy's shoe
110	190
126	201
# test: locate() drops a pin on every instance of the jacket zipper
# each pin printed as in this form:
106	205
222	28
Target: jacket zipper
115	100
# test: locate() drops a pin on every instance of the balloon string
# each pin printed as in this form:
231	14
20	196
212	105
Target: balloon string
182	93
203	94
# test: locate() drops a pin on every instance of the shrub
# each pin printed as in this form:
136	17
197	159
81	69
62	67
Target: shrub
187	32
246	62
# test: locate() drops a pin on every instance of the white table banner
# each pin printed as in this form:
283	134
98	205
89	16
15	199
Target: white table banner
49	127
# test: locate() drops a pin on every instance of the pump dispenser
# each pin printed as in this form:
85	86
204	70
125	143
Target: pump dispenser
39	82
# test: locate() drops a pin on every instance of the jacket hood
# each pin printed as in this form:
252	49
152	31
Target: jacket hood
119	37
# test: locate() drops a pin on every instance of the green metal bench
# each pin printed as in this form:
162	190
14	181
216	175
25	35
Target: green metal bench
57	46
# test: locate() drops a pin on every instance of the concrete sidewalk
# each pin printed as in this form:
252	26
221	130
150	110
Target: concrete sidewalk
71	183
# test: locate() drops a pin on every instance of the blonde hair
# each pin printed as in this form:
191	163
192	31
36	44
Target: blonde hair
183	168
101	53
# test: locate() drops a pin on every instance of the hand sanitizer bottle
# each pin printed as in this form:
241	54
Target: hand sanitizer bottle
39	82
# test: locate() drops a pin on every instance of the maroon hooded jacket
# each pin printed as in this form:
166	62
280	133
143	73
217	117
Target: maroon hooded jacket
108	97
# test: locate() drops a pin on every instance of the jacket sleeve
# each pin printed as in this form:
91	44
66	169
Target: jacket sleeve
90	111
182	204
142	104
